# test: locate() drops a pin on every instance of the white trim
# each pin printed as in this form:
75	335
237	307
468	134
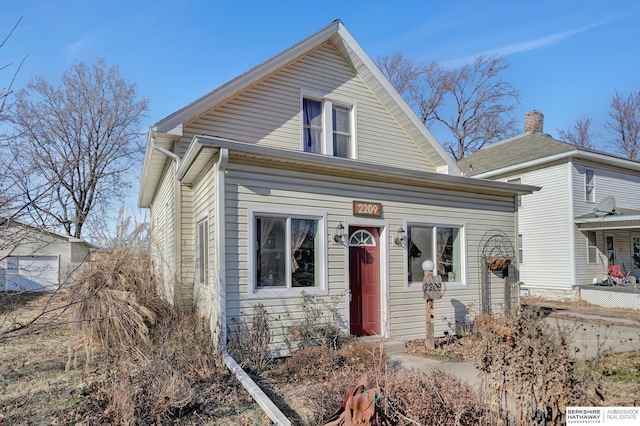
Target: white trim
383	228
290	292
595	246
570	222
462	225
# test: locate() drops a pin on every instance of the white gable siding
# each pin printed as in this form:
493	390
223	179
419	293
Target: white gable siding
249	188
269	112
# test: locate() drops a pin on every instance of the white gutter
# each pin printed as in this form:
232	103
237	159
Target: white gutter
221	235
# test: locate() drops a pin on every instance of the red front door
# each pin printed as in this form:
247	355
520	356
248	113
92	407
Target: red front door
364	281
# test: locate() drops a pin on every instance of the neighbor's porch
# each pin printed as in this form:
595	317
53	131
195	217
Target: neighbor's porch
611	275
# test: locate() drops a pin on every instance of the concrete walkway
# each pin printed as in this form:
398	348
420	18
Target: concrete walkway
592	330
398	359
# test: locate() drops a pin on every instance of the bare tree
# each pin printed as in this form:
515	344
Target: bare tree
75	144
472	103
579	134
625	124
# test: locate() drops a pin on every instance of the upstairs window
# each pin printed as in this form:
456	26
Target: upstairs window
327	127
590	185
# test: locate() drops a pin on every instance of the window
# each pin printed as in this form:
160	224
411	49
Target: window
440	243
288	252
520	250
635	251
592	247
327	127
611	249
590	184
202	252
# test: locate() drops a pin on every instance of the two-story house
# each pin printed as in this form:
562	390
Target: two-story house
586	215
310	175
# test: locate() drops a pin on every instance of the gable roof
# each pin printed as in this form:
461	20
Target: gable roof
532	149
350	50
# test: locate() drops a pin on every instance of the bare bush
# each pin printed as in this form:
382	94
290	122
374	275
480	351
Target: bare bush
116	300
530	372
433	398
319	325
249	344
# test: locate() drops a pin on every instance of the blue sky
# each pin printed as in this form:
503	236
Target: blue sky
567	57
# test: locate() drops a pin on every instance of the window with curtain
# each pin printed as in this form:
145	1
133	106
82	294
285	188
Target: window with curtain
202	252
337	139
312	118
441	244
287	252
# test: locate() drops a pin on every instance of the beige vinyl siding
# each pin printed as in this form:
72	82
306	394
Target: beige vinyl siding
162	231
203	190
248	189
545	221
268	113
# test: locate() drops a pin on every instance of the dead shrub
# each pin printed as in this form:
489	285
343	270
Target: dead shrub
433	398
249	342
115	300
530	370
319	323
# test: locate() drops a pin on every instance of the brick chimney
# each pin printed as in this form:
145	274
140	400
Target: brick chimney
533	121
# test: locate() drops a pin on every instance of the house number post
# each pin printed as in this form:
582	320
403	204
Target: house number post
433	289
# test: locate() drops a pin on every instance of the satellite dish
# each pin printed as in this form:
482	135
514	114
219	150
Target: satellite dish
605	207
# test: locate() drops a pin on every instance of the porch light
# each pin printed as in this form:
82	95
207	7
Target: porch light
339	237
399	239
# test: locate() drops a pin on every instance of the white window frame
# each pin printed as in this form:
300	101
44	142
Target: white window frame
202	251
417	285
593	248
589	196
277	292
327	122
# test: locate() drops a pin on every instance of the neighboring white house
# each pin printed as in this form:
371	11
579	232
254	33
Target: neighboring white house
563	241
33	259
310	175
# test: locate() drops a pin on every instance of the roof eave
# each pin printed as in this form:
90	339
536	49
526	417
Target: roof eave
201	143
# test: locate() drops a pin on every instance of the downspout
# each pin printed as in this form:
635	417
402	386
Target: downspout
177	215
220	186
152	138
